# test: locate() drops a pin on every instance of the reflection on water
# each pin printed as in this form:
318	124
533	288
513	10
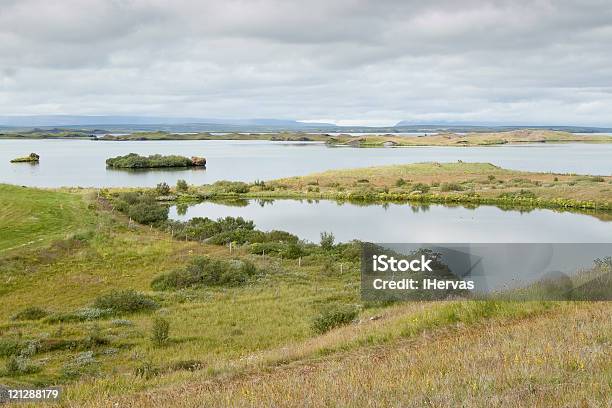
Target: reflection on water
393	222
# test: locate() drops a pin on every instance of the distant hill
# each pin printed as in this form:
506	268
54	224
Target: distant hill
121	124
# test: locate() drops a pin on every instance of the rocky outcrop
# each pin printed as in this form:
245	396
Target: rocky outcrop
31	158
198	161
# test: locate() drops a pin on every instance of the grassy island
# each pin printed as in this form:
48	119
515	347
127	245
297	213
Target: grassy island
31	158
135	161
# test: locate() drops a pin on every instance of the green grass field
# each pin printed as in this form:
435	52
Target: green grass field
31	216
224	341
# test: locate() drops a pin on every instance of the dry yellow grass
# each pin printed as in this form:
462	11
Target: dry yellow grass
484	179
561	358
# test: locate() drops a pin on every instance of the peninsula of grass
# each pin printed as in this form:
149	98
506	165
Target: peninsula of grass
135	161
31	158
469	183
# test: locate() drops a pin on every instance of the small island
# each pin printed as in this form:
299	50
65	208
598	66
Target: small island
31	158
135	161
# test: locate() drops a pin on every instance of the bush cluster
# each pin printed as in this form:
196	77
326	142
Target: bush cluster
521	194
450	187
204	271
288	250
30	313
16	365
125	301
142	208
422	187
224	186
160	331
136	161
225	230
334	316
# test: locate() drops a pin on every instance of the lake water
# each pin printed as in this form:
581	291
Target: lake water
82	162
406	223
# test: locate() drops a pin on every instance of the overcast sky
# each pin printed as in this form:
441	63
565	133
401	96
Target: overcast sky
352	62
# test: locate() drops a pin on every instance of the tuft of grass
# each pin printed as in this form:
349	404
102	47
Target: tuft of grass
30	313
204	271
125	301
334	316
160	331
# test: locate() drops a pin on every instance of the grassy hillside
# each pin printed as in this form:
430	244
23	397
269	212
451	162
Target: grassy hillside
58	324
555	359
210	328
33	217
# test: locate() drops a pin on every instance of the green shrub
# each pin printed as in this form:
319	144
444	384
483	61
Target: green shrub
594	179
281	236
521	194
422	187
334	316
125	301
181	185
160	331
146	370
400	182
30	313
238	236
9	347
231	223
141	208
327	240
148	213
162	188
20	365
186	365
81	315
204	271
289	250
224	186
450	187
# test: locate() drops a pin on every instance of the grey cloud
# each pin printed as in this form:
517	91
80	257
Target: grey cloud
520	61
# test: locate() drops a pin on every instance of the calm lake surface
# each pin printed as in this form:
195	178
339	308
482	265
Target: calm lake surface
406	223
82	162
